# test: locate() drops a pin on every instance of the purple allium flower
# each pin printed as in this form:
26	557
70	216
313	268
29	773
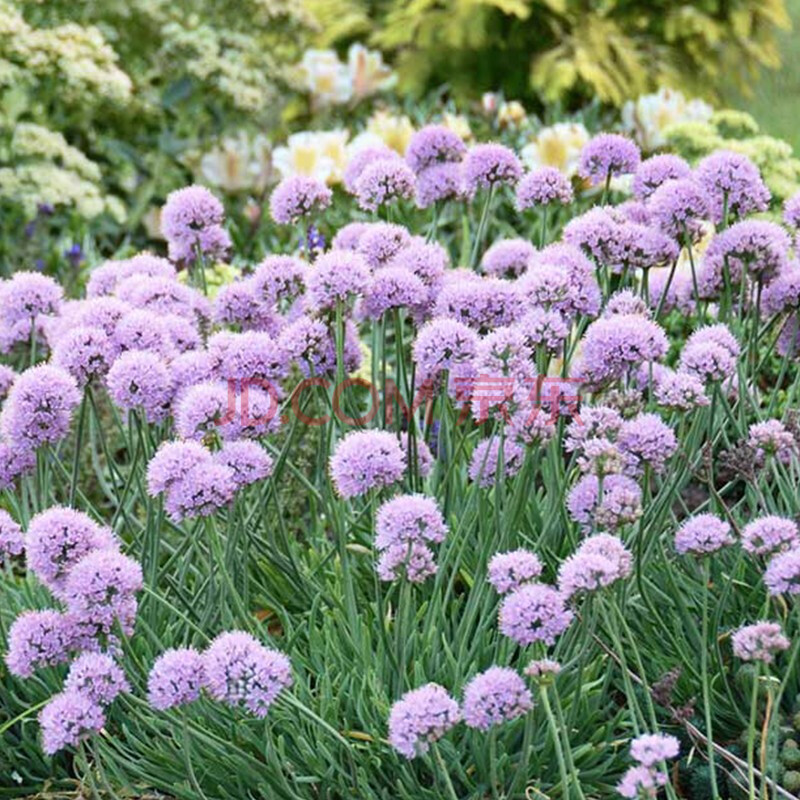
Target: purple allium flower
384	182
791	211
98	677
414	560
279	278
420	717
772	438
783	573
39	407
707	360
601	457
248	461
427	260
679	206
176	678
238	304
652	748
381	242
159	295
57	539
184	334
641	782
680	390
542	187
581	271
647	440
495	696
482	303
760	248
26	295
38	639
439	183
296	197
100	590
144	330
531	427
534	613
141	380
769	535
409	518
508	258
490	164
433	145
542	669
759	642
595	232
509	571
365	460
360	161
703	534
621	503
642	247
719	334
104	279
242	673
625	301
12	542
597	422
733	183
171	462
614	346
633	211
599	562
654	171
443	344
67	719
607	155
424	456
15	460
86	353
308	342
393	287
783	293
484	466
253	356
347	238
336	277
7	377
190	368
503	352
548	286
202	491
192	219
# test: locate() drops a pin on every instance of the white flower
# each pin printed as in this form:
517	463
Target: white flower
368	73
325	78
237	164
395	130
650	115
558	146
321	155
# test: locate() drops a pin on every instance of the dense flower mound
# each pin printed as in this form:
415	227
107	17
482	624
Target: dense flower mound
420	717
495	696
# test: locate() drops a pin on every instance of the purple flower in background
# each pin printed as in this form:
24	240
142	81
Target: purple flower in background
39	407
641	782
680	390
205	488
508	571
365	460
648	441
772	438
758	247
7	377
67	719
140	380
679	206
770	535
100	590
652	748
791	211
759	642
783	573
238	304
600	561
15	460
347	238
86	353
359	161
248	460
587	296
440	183
160	295
144	330
596	422
626	301
253	356
57	539
606	156
242	673
508	258
642	247
733	184
384	182
420	717
595	232
707	360
279	278
38	639
26	295
489	165
482	303
621	503
192	220
12	542
534	613
414	560
703	534
656	170
176	678
381	242
495	696
434	145
393	287
296	197
98	677
484	466
542	187
190	368
443	344
409	518
336	277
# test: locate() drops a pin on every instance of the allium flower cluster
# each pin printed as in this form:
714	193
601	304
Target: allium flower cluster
39	639
680	390
67	719
620	505
98	677
140	380
26	296
534	613
12	542
606	156
783	573
542	187
679	206
647	441
770	535
420	717
791	211
733	184
176	678
443	344
337	277
702	535
490	165
507	258
654	171
508	571
366	460
191	220
297	197
772	439
599	562
759	642
434	145
279	278
440	183
495	696
645	779
384	182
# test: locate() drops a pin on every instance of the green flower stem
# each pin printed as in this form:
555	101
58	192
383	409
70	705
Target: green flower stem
554	731
706	680
444	772
751	734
